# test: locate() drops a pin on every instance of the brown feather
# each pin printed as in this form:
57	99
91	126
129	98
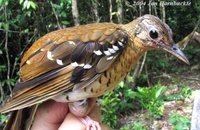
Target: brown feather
34	93
21	119
66	35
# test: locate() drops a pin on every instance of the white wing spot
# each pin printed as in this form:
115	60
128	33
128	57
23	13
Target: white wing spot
120	43
107	53
111	50
59	62
75	64
81	65
122	40
116	48
110	58
87	66
49	55
98	52
28	62
42	49
71	42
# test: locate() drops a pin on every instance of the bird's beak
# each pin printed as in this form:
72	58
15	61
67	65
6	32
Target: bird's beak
174	50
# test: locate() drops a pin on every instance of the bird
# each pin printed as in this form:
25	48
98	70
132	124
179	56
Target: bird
79	64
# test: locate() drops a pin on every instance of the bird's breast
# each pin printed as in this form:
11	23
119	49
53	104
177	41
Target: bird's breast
121	68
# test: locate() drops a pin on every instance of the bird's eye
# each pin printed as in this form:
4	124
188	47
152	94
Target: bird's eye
153	33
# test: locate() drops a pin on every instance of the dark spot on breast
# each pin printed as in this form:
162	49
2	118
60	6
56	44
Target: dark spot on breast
100	80
92	90
108	83
67	97
116	77
105	74
84	89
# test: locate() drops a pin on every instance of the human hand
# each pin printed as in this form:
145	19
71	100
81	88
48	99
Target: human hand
53	115
56	116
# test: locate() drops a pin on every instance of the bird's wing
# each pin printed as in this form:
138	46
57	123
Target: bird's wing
64	58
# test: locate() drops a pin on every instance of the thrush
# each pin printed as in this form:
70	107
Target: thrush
78	64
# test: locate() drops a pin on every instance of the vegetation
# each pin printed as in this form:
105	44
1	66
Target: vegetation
23	22
151	98
147	100
120	100
179	122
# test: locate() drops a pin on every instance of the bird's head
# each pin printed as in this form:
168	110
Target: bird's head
152	33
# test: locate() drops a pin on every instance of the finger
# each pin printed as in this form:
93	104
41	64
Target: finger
50	115
72	122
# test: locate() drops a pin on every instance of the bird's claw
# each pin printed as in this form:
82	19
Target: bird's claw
90	123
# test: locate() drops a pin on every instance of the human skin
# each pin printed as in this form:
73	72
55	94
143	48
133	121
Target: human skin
53	115
56	116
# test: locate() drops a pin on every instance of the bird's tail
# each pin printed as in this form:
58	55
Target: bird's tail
21	119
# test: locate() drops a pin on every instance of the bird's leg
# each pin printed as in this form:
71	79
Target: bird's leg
81	109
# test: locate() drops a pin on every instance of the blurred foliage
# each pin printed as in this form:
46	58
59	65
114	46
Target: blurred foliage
27	4
146	100
179	122
135	125
151	98
2	120
120	100
123	100
193	53
182	94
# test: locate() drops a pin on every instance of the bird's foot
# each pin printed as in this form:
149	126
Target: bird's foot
81	109
90	123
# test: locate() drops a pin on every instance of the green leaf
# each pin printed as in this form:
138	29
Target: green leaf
130	78
172	121
3	118
28	5
1	2
131	94
114	13
158	92
121	84
25	4
65	22
21	1
6	26
33	5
